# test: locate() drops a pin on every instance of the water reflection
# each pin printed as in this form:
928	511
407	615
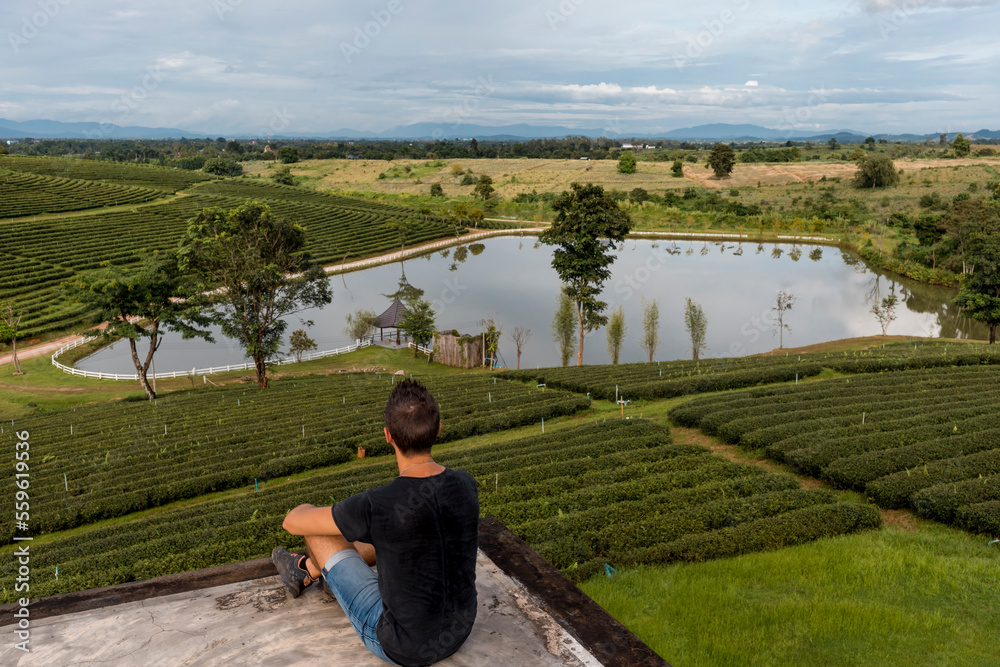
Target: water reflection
511	280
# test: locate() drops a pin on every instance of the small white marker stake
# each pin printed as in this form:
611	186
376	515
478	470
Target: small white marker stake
66	481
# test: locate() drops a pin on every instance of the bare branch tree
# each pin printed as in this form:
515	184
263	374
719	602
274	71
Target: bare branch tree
520	336
782	305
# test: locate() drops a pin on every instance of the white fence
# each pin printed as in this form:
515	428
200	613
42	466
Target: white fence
194	371
421	348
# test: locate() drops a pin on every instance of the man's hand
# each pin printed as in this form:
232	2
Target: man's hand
310	520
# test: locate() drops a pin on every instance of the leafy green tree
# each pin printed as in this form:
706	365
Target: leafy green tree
288	154
10	322
968	219
300	342
418	323
218	166
484	188
961	145
876	171
360	324
234	147
403	227
650	327
588	224
139	302
437	190
833	144
722	159
627	163
677	170
979	295
564	327
638	195
617	329
696	324
283	177
258	270
885	311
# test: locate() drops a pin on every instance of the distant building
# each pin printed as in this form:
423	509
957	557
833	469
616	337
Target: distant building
627	146
11	142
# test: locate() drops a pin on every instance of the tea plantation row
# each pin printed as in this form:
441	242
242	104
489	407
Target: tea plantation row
31	194
679	378
116	458
616	492
158	178
923	439
36	256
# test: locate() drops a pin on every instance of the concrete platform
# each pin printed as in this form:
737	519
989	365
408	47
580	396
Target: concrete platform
252	622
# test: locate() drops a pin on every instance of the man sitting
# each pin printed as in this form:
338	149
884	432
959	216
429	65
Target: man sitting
421	605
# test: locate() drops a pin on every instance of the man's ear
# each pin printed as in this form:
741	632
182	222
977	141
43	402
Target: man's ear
439	428
388	437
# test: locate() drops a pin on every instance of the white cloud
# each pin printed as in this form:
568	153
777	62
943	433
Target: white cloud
752	83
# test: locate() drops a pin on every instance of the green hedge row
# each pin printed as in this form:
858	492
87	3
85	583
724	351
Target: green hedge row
896	490
980	518
785	530
126	457
907	439
942	502
701	492
678	378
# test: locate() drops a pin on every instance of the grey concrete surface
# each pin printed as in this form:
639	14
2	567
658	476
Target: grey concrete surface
252	623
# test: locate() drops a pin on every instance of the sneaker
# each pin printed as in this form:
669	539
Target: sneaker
326	587
292	570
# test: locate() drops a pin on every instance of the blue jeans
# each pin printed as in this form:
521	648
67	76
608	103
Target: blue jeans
355	586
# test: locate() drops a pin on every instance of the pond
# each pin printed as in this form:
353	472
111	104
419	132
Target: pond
511	280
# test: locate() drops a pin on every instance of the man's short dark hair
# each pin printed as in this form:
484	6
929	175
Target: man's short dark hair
412	417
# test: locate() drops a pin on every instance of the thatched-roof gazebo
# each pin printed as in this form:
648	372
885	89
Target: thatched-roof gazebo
391	319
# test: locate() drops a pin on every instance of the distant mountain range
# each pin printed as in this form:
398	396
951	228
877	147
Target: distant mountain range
53	129
50	129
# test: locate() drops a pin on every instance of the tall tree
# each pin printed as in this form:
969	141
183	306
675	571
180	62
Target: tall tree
782	304
696	325
885	311
961	145
258	270
10	323
626	163
360	324
876	170
484	188
139	302
300	342
979	296
650	327
404	228
588	224
520	336
617	328
564	327
722	159
419	323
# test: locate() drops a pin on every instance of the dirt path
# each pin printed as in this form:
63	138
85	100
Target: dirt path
903	518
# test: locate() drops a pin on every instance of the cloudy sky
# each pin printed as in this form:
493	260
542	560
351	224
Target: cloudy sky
250	66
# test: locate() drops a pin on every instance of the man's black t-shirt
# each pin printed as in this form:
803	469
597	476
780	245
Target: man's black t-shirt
425	534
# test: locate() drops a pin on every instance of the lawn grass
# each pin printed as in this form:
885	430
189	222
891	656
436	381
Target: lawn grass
43	387
927	596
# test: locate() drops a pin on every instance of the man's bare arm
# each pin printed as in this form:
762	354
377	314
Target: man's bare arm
310	520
